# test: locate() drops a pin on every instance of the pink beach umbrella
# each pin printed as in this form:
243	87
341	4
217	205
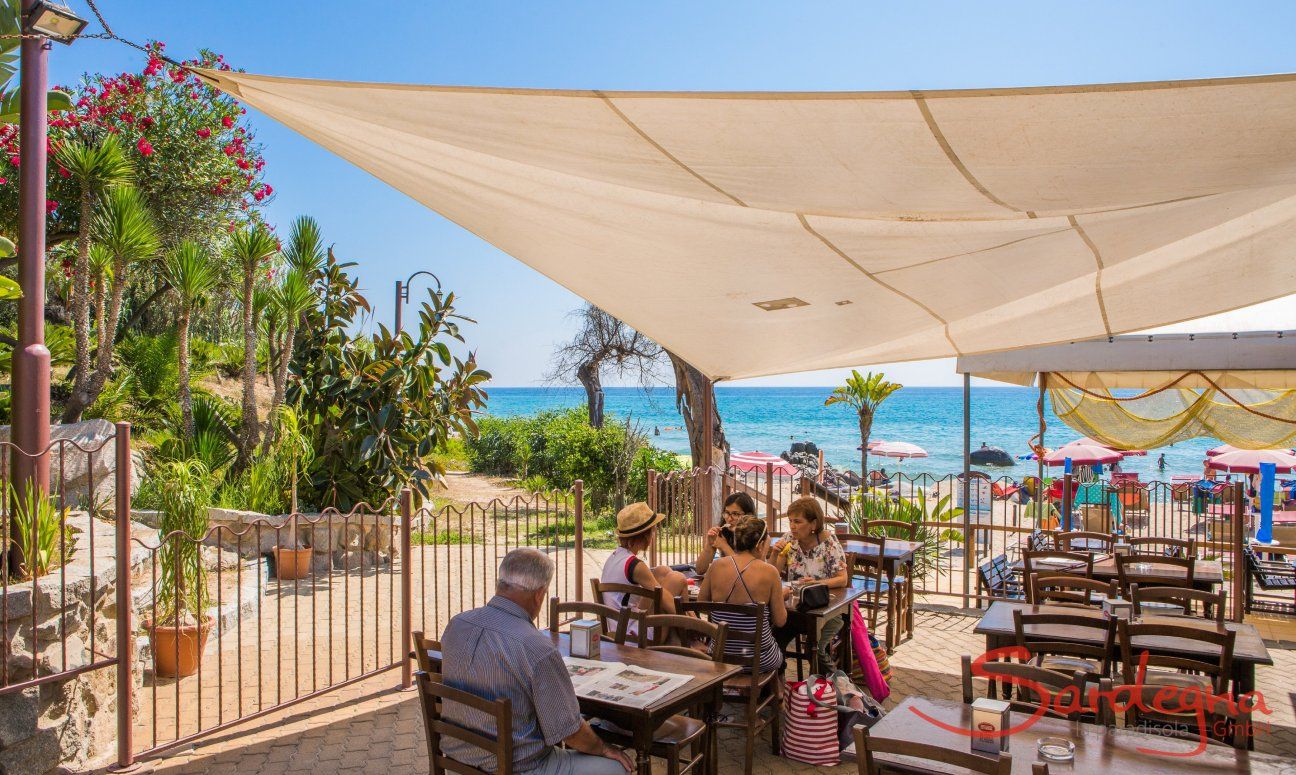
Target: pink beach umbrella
897	449
1086	441
1221	449
1082	455
756	460
1247	461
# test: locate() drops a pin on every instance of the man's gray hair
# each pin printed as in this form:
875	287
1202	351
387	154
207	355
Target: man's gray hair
525	570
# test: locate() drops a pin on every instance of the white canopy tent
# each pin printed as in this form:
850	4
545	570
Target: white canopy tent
763	233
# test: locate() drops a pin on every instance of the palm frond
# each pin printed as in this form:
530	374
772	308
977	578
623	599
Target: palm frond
124	227
96	165
305	246
252	245
192	273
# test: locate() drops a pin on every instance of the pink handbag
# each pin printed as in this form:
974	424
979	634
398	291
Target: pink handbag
868	666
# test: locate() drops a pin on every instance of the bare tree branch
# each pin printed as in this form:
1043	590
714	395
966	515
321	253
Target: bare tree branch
604	345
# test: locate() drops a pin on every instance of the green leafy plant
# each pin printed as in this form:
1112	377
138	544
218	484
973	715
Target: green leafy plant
863	393
921	511
36	522
183	500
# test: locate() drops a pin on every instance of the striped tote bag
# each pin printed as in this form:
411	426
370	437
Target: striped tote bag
810	731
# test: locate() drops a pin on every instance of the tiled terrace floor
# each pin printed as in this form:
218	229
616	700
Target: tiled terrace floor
369	727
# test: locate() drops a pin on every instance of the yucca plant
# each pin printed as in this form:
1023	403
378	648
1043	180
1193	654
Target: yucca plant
182	596
193	274
864	393
920	512
250	248
35	525
291	299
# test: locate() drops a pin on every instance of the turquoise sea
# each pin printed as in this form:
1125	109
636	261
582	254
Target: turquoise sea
769	419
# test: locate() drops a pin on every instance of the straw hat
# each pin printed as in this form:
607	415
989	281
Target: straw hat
636	519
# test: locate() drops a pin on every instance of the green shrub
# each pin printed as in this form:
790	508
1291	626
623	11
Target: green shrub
184	496
36	523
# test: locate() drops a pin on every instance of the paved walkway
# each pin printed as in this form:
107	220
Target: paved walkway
369	727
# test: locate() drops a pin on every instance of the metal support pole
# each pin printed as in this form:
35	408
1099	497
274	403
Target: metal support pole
125	626
399	306
770	516
1066	501
31	359
578	491
1039	465
968	560
1238	537
407	586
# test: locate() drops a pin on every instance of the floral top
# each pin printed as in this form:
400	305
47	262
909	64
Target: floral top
825	560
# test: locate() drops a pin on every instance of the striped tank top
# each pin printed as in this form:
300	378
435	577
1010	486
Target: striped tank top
770	659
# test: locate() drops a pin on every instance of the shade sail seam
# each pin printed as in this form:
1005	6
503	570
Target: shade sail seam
971	252
662	150
827	242
1098	290
953	157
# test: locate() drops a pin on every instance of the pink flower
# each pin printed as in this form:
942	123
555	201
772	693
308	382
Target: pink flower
204	133
146	122
3	181
268	190
242	164
228	149
227	122
145	147
63	173
51	205
14	160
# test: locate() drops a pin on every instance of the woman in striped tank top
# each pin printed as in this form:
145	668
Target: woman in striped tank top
745	577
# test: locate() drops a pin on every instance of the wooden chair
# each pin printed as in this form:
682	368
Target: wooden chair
1166	547
633	596
937	758
1054	562
880	595
1039	768
1178	669
1021	677
1039	541
1179	601
753	691
1270	576
1154	571
1093	661
426	653
1088	541
1226	723
890	528
432	695
613	620
996	579
1065	589
901	585
687	629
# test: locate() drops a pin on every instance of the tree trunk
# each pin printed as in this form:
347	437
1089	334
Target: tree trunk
81	304
94	381
588	374
182	352
248	433
866	430
138	312
690	388
280	384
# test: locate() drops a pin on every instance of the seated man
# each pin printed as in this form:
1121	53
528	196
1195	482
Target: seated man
496	652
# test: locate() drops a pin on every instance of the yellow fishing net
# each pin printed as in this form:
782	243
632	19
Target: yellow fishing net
1220	405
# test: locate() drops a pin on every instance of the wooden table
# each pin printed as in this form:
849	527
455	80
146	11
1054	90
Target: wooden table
1248	647
811	623
896	555
1098	749
705	688
1207	574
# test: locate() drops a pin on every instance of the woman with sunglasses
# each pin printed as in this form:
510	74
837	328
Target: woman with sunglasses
718	541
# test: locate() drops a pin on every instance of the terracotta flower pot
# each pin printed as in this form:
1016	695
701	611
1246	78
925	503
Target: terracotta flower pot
176	649
292	563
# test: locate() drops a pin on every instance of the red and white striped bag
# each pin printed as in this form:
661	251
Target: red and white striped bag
810	731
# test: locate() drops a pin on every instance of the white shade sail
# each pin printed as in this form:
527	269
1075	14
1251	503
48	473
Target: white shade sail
764	233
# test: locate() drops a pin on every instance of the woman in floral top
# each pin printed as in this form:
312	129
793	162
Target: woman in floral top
810	553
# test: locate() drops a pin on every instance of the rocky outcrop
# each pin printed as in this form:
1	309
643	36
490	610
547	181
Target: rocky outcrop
992	456
82	454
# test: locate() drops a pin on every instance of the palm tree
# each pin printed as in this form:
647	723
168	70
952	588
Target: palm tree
305	246
864	393
291	300
97	167
126	231
250	247
193	275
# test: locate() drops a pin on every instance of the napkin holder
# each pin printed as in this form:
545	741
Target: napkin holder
990	719
1121	549
1118	608
585	637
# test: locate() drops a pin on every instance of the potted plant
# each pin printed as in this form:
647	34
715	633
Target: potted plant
294	560
179	633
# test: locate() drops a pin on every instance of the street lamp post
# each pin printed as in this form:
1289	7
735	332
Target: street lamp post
403	294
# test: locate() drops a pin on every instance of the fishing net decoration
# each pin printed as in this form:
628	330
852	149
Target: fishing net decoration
1220	405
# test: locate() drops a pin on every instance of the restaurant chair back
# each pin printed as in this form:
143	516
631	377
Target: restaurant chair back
1055	561
937	758
1179	601
711	636
1045	635
1024	676
632	596
1166	547
1154	571
1175	715
1083	541
1065	589
997	580
1168	664
432	696
1039	768
426	653
612	620
869	568
891	528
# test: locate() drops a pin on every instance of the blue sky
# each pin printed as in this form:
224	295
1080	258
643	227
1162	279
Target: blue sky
658	45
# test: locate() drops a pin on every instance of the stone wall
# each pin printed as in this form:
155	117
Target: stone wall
72	723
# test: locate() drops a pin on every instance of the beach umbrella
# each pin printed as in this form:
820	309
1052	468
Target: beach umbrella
1247	461
1088	442
1221	449
897	449
1082	455
756	460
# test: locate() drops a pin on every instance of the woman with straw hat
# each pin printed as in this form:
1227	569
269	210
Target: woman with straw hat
636	528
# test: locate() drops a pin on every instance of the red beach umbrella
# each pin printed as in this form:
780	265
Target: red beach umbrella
756	460
1247	461
1082	455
